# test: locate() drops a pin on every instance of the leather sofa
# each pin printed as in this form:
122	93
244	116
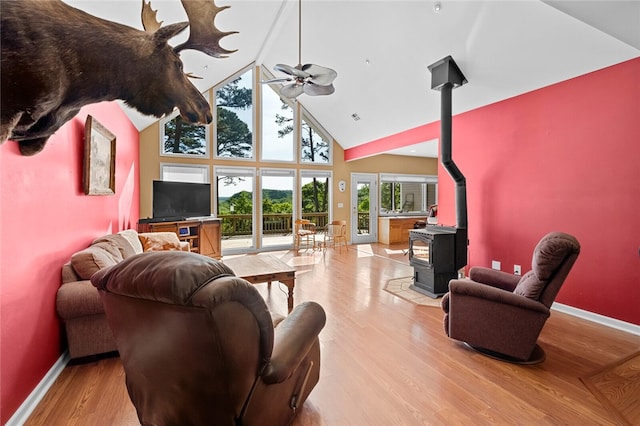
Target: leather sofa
200	347
78	303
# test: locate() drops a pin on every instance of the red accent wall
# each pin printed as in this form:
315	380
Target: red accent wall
44	218
565	157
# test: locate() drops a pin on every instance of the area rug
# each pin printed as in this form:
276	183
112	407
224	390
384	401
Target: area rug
400	287
617	387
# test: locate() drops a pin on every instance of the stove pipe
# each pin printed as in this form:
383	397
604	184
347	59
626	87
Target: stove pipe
445	76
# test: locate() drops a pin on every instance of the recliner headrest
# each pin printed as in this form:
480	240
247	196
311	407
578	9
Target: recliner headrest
551	251
162	276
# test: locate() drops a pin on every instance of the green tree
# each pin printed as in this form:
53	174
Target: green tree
181	137
234	139
315	196
272	206
242	202
390	195
314	147
363	198
232	96
286	123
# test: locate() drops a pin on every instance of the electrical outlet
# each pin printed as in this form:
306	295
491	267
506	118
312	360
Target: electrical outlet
517	270
495	264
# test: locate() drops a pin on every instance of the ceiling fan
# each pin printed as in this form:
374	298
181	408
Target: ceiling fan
310	79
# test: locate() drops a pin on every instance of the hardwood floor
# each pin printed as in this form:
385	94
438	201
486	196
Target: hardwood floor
386	361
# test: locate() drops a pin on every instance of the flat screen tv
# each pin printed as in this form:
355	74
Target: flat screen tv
180	200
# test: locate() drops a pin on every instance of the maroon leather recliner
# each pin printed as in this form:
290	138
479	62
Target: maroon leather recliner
199	345
501	314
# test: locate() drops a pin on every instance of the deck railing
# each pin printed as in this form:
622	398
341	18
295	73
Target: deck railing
272	223
363	223
280	223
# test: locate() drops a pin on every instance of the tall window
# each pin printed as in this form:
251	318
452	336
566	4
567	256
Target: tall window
180	138
314	195
234	117
277	206
315	144
277	127
407	193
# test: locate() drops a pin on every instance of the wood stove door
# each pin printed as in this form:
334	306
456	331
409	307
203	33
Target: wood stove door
364	208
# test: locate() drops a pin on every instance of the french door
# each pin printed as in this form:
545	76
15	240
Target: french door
364	208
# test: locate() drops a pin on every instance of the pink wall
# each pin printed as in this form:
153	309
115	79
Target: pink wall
566	158
45	217
562	158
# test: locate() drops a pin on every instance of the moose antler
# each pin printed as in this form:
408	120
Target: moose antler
149	21
203	33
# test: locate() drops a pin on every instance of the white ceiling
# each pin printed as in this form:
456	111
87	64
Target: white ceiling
381	50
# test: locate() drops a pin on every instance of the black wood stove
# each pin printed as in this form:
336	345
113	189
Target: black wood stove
438	252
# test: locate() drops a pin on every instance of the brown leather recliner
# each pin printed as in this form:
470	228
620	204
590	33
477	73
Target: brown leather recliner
501	314
199	345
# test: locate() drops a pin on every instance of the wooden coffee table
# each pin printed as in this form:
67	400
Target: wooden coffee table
264	268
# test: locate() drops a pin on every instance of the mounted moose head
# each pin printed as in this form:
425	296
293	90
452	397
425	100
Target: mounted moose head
56	59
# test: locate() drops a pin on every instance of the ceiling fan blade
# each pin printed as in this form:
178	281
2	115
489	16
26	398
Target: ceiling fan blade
292	91
277	80
288	69
320	75
315	89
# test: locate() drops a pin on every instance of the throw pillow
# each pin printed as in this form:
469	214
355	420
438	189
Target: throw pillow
95	257
119	242
159	241
132	236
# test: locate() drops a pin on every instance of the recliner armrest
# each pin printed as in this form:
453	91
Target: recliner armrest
494	278
293	338
471	288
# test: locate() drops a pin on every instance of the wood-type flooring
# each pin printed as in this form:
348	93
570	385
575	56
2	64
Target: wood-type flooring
387	361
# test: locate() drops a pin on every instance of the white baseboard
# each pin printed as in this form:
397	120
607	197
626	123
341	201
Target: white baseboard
600	319
29	405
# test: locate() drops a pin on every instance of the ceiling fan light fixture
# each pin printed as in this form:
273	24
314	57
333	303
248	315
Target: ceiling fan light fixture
309	79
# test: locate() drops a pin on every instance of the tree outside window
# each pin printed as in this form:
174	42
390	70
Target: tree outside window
315	146
180	137
389	196
234	109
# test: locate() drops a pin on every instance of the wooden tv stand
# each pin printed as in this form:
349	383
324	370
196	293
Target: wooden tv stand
204	235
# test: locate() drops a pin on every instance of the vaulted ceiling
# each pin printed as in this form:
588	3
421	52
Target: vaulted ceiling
381	51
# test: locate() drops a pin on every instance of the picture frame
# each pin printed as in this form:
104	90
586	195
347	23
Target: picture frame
99	174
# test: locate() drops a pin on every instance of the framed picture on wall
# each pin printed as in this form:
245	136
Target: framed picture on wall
99	175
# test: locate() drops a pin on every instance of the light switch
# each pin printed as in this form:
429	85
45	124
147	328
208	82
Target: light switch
340	205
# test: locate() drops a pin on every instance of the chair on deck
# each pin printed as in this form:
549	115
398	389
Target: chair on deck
305	231
336	233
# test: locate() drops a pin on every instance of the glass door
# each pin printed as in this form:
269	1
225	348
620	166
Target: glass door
235	206
277	190
315	197
364	207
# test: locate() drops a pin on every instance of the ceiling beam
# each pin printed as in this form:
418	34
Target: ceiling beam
399	140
